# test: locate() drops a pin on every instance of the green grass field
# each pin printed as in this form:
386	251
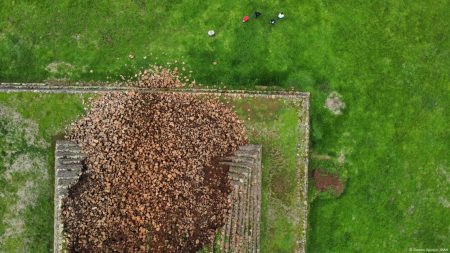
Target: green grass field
389	59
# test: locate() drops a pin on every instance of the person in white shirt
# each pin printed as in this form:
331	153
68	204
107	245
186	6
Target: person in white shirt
280	15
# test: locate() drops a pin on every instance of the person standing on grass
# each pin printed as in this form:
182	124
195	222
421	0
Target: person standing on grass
280	15
245	19
257	14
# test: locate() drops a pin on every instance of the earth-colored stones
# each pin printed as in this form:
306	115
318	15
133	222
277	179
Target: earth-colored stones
152	173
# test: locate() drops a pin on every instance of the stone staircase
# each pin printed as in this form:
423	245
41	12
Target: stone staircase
68	167
241	230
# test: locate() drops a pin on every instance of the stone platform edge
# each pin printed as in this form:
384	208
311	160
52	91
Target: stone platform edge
68	168
55	88
299	98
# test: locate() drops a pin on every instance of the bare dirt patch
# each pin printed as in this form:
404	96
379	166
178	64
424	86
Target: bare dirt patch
334	103
324	181
14	128
58	67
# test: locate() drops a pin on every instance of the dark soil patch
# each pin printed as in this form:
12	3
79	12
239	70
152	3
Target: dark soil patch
324	181
281	186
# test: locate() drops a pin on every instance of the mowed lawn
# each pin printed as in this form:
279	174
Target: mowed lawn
390	60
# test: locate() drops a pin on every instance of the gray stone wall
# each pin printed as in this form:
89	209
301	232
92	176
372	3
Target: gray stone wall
241	232
68	168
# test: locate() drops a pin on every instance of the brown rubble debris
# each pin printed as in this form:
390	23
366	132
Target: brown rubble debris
153	182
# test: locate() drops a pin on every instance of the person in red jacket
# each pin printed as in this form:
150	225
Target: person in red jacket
245	19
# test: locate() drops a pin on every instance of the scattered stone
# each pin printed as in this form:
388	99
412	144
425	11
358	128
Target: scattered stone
157	77
341	157
76	37
334	103
57	67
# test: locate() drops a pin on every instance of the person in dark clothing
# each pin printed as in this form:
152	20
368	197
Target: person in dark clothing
257	14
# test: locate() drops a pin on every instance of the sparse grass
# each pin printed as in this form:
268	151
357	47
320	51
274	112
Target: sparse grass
389	60
50	113
273	124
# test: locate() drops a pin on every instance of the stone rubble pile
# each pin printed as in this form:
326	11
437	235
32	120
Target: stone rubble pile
153	180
